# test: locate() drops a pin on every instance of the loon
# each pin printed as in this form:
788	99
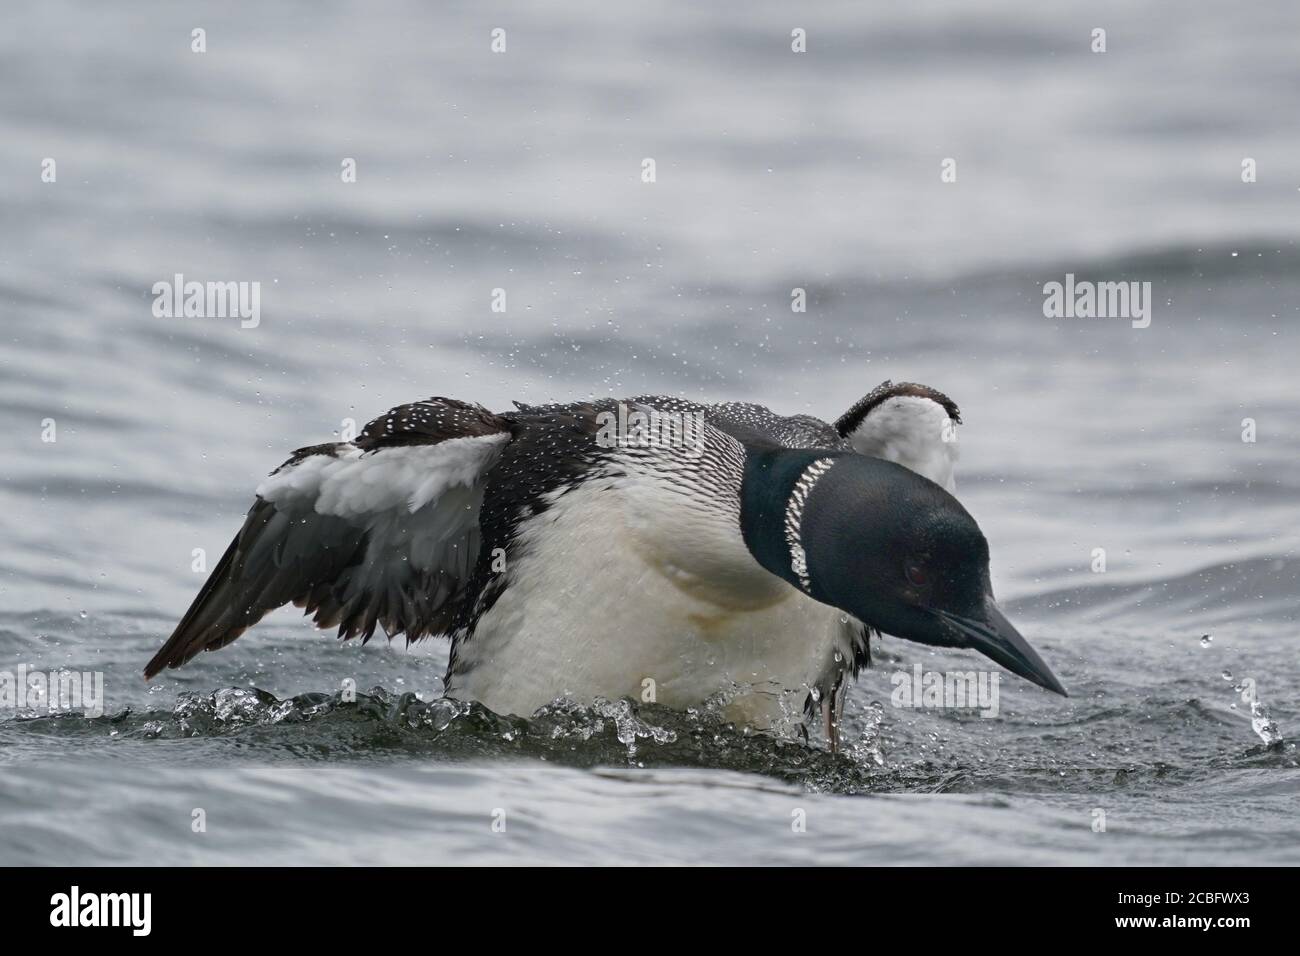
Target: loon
572	551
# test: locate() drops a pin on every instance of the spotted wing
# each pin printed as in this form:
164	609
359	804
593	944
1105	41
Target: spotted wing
379	531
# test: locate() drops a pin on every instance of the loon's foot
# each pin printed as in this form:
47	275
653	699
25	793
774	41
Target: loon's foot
830	726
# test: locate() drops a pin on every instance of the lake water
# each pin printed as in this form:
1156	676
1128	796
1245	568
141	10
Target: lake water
522	171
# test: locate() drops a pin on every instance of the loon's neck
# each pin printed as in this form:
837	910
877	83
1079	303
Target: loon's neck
773	497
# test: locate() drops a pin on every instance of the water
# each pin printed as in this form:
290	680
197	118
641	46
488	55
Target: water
522	171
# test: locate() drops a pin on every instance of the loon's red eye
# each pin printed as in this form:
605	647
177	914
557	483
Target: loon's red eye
916	575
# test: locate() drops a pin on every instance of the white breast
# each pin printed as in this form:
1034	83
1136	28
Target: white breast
633	586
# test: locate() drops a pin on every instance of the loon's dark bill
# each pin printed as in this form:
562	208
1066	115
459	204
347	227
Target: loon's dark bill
995	637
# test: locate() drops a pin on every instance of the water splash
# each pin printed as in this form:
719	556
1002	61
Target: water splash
1261	718
1264	725
381	725
867	748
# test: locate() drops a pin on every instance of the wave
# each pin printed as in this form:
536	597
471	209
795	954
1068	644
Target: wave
242	724
1258	589
380	725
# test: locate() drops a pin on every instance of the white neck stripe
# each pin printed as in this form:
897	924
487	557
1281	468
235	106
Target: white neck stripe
794	517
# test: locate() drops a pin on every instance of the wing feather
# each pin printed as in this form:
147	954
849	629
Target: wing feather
382	531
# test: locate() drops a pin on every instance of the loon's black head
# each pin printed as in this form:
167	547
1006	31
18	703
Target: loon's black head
884	544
